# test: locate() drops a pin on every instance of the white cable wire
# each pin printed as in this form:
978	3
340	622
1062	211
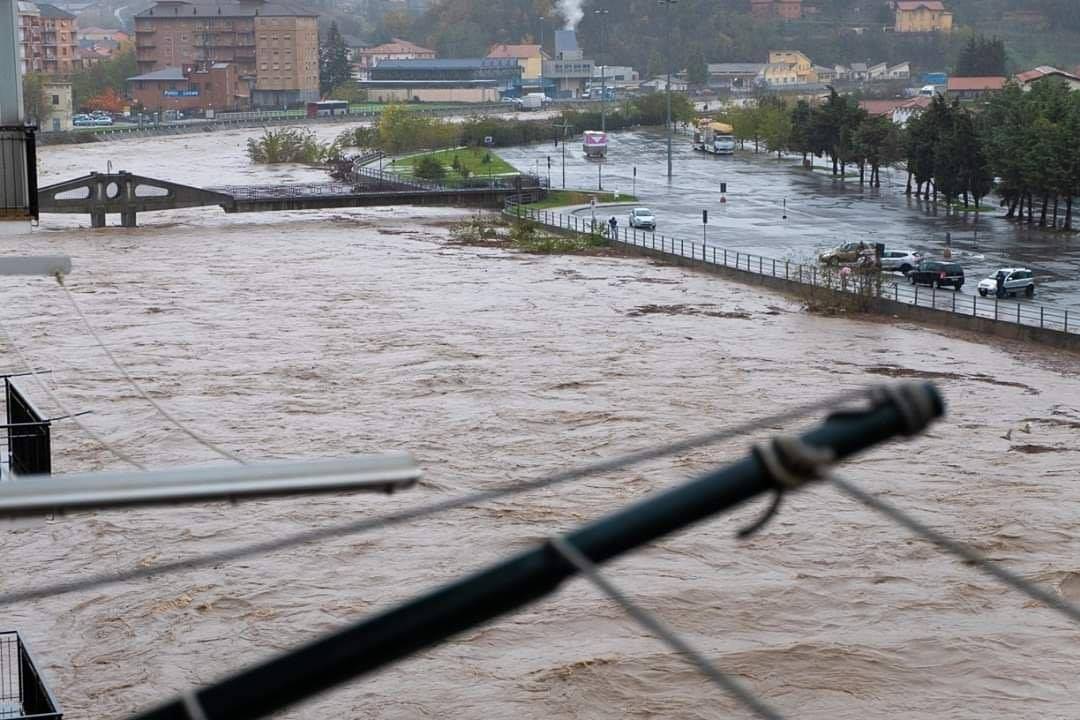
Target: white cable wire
63	407
651	623
138	388
957	548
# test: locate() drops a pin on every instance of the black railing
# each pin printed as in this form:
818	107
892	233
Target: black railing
23	693
991	308
28	433
18	181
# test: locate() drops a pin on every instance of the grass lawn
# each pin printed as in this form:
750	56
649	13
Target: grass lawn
560	198
471	158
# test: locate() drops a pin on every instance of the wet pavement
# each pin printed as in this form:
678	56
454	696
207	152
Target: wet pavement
776	209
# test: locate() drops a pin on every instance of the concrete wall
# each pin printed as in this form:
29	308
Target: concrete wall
881	306
469	95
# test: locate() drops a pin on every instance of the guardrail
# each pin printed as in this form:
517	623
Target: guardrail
991	308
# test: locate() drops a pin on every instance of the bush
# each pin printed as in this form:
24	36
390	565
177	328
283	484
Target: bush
292	145
429	168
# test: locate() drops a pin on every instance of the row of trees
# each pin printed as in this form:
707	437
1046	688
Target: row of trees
1027	140
401	129
1031	138
838	129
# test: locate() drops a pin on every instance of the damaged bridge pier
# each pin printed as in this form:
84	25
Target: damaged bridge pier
128	195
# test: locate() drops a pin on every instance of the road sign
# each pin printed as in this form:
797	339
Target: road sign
704	217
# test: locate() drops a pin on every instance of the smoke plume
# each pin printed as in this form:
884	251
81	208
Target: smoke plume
571	11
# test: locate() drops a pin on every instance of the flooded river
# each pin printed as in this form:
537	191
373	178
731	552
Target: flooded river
315	334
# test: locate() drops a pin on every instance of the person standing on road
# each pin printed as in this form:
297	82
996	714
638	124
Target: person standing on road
614	225
1000	284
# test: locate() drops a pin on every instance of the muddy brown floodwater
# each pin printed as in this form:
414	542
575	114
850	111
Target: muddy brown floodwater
326	333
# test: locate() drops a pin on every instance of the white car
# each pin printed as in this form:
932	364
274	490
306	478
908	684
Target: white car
900	260
642	218
1016	281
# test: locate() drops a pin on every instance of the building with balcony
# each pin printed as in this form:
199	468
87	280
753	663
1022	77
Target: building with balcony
922	16
47	39
365	58
275	47
787	68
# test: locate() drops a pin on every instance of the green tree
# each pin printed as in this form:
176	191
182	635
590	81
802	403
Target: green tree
334	69
981	56
35	102
877	141
111	74
428	168
775	127
697	70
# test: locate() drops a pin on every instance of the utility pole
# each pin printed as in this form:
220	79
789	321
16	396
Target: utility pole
542	89
667	43
565	126
602	14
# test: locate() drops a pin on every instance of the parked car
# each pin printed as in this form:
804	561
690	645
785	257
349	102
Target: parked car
1016	281
82	120
937	273
900	260
642	218
846	253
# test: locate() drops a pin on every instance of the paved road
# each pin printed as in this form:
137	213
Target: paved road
820	212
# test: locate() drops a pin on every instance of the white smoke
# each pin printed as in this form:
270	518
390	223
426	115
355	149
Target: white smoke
571	11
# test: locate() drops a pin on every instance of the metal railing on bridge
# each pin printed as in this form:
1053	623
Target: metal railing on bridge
1026	314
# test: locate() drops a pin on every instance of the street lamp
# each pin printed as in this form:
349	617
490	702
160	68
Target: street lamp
603	85
667	42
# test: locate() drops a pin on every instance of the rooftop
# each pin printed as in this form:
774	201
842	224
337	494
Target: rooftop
993	82
735	68
909	5
888	107
52	11
225	9
1044	71
447	63
173	73
397	46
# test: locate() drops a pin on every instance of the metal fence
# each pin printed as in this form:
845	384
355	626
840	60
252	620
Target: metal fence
27	437
23	694
991	308
18	173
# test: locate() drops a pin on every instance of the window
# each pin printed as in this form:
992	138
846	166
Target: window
263	66
56	124
55	99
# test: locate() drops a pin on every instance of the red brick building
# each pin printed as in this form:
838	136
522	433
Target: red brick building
210	87
786	9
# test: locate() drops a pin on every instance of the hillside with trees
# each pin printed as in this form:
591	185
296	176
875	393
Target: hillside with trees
843	31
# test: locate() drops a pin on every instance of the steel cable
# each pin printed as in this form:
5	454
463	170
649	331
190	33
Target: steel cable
409	514
138	388
63	406
955	547
651	623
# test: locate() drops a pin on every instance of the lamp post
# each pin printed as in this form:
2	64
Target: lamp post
667	43
602	13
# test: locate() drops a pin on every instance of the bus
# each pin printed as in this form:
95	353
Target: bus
327	108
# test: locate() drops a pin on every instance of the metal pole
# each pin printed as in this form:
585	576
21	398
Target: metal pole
11	103
602	13
508	585
667	41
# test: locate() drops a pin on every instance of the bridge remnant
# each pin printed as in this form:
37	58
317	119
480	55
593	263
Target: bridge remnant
124	193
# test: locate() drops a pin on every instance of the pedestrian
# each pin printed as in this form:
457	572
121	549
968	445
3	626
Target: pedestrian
844	273
1000	283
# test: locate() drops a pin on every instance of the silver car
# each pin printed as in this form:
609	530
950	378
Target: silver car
642	218
1015	281
900	260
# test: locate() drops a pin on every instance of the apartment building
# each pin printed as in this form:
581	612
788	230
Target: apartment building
274	46
47	39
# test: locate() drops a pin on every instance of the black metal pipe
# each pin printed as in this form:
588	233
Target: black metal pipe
513	583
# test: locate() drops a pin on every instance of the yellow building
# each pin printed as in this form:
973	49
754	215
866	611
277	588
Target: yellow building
529	57
923	16
789	67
